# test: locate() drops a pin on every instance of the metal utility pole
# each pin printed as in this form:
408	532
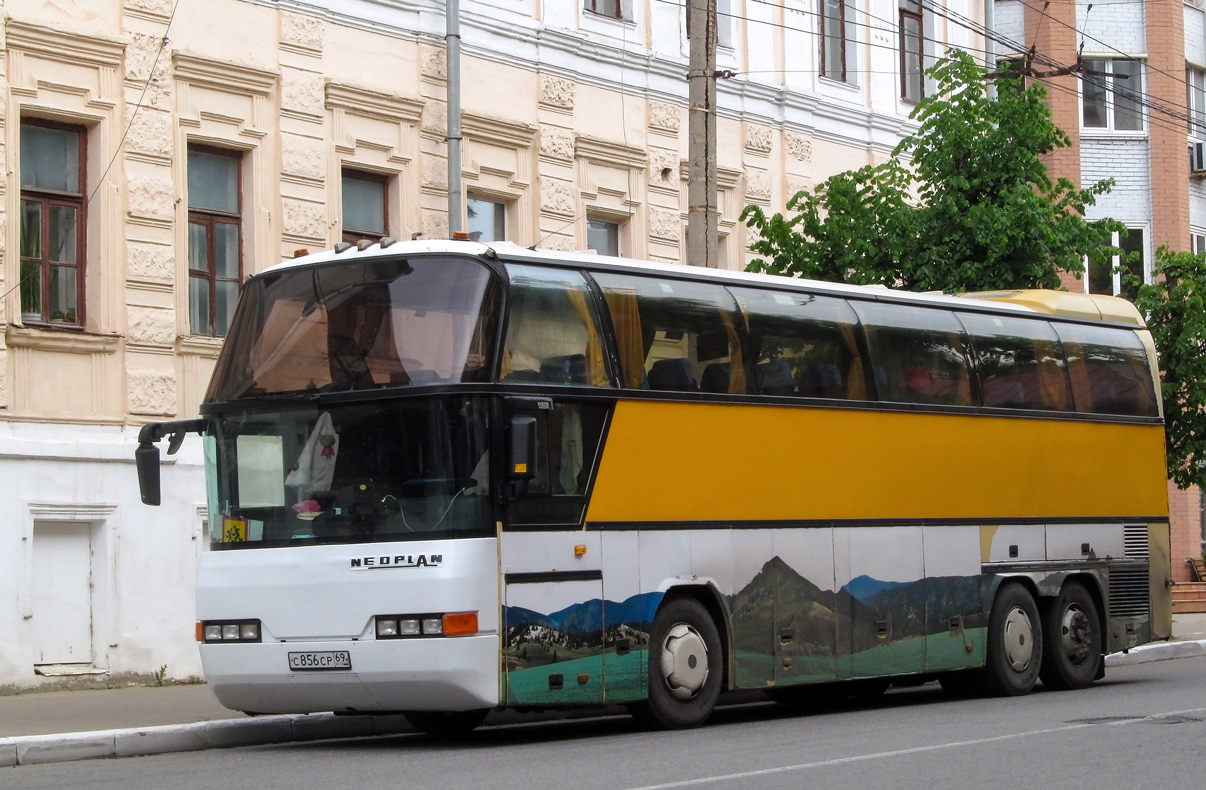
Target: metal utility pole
452	43
701	135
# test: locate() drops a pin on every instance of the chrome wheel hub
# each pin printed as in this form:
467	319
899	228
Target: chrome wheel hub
1018	639
1076	634
684	661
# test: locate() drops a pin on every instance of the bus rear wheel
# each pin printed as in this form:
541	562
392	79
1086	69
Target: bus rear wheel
1071	639
452	724
1015	644
685	667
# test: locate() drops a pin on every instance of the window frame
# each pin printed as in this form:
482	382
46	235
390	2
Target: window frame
1195	89
904	13
622	13
1108	83
502	223
1116	263
619	237
823	71
353	235
209	218
724	23
48	198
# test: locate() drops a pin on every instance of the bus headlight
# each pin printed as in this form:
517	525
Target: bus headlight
402	626
212	631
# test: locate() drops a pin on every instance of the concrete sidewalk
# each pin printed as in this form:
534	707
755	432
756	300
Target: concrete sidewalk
54	726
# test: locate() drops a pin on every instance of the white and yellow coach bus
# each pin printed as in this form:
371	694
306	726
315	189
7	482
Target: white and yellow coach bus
445	477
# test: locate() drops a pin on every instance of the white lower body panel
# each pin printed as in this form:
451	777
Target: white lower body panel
446	674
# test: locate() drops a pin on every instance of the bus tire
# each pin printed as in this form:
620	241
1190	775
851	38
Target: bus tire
1071	639
1015	644
446	724
686	665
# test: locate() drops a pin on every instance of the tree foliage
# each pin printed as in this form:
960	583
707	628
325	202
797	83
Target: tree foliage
1175	307
973	210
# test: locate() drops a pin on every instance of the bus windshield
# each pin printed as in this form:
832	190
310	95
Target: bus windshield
411	467
380	322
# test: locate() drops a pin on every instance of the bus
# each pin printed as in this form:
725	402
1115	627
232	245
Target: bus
445	477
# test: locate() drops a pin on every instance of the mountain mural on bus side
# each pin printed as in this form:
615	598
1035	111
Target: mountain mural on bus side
863	615
534	639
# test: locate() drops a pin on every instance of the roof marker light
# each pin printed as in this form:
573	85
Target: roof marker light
342	246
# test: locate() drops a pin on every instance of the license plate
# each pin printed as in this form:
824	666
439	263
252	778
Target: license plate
320	660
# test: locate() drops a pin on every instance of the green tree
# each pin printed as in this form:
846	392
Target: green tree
975	208
1175	307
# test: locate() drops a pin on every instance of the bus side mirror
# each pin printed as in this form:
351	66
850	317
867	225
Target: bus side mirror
146	455
146	459
521	461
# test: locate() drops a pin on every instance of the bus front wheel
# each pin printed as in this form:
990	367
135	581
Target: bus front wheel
1015	643
1071	639
685	666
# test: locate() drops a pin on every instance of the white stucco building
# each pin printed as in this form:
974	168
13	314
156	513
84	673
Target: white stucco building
156	152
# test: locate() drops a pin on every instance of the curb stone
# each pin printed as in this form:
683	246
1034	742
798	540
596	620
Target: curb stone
1158	651
220	734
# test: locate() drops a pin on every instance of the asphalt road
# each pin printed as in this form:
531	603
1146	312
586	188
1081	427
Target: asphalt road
1142	727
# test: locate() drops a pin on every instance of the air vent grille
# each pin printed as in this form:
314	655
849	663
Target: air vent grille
1129	593
1134	541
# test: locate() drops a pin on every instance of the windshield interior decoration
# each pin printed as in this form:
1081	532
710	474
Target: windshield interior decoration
386	470
385	322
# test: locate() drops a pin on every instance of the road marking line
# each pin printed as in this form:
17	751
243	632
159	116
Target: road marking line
898	752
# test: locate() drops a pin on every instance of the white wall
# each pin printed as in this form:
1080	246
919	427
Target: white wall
143	559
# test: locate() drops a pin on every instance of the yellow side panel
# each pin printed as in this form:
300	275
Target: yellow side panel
718	462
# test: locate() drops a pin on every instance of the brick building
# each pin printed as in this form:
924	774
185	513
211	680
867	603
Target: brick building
1133	118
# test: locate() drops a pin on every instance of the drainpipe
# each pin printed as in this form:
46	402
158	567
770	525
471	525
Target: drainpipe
990	46
452	43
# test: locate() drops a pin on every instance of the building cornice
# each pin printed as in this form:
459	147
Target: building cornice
223	75
372	104
65	45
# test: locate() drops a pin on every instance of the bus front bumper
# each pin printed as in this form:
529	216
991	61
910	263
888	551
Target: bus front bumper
441	674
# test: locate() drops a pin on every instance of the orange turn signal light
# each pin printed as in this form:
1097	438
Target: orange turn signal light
200	632
460	623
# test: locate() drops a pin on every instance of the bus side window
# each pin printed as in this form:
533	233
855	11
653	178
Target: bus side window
675	335
1109	370
917	355
803	344
553	333
567	446
1019	363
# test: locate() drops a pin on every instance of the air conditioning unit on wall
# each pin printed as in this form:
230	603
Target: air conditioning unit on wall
1197	157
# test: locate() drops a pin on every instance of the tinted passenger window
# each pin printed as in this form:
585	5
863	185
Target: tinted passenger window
1109	370
917	355
1019	363
567	449
675	335
803	344
553	332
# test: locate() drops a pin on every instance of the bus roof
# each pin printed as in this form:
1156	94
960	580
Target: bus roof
1065	304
